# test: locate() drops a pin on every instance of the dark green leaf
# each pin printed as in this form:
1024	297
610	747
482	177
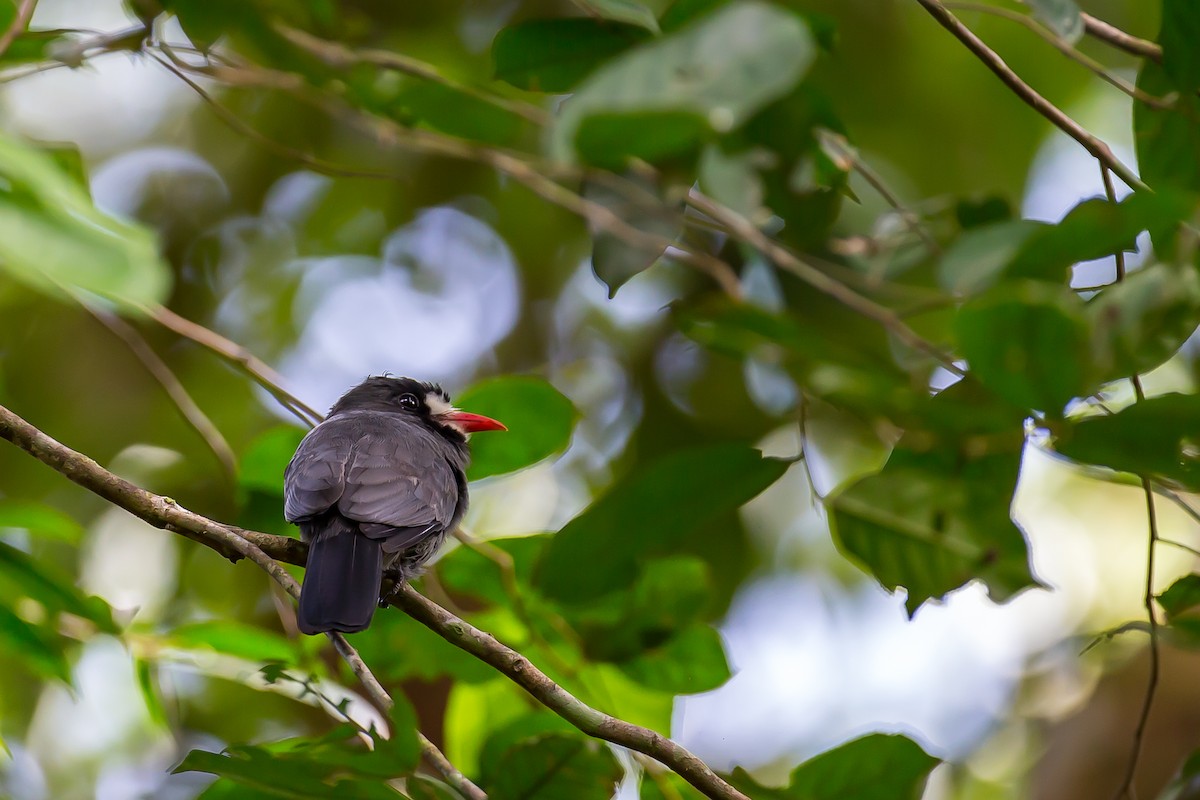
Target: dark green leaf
39	519
1029	344
507	736
539	420
552	55
225	789
604	139
1157	437
930	522
653	509
1060	16
876	767
235	639
1180	32
1141	322
691	661
453	111
262	464
722	68
149	689
467	571
627	11
1181	596
1167	141
613	260
1094	229
555	766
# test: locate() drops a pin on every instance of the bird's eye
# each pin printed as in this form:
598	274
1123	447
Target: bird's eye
409	401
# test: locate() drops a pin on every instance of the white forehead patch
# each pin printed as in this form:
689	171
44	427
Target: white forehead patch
437	404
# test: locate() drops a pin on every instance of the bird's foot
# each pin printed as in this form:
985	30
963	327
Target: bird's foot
392	579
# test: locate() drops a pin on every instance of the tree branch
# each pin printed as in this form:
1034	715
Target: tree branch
171	384
266	550
1099	150
18	26
1099	29
595	723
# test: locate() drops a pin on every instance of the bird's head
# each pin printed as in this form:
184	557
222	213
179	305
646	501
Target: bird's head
426	402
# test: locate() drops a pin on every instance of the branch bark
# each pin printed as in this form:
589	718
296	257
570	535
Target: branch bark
267	550
1099	149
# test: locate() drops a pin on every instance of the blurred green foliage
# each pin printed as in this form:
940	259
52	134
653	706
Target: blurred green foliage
775	110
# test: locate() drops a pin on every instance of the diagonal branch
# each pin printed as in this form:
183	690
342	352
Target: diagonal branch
267	550
1111	34
171	384
1099	149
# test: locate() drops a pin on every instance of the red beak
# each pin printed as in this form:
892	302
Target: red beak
473	423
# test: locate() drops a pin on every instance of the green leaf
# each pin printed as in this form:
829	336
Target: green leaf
875	767
1094	229
1158	437
552	55
1142	321
466	571
1060	16
473	712
453	111
53	238
652	510
614	261
150	696
235	639
932	521
1167	141
978	258
1181	596
1029	344
1178	37
39	519
265	458
666	785
603	138
21	576
627	11
555	766
722	68
504	738
539	420
423	787
691	661
37	648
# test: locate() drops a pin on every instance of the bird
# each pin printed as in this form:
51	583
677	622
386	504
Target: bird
376	486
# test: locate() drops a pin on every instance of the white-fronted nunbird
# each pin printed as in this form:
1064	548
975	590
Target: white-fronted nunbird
375	487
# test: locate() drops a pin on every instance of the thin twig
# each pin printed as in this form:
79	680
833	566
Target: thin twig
1064	47
18	26
1180	545
1099	29
911	219
1099	149
336	54
1126	788
448	771
817	279
266	377
318	165
171	384
587	719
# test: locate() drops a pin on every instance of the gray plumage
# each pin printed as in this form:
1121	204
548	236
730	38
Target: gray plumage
376	486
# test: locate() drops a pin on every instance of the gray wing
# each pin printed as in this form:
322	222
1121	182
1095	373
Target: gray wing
384	472
398	477
316	476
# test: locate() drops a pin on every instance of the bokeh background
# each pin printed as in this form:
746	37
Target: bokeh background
450	272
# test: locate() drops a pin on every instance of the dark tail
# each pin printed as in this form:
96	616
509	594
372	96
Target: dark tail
341	583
